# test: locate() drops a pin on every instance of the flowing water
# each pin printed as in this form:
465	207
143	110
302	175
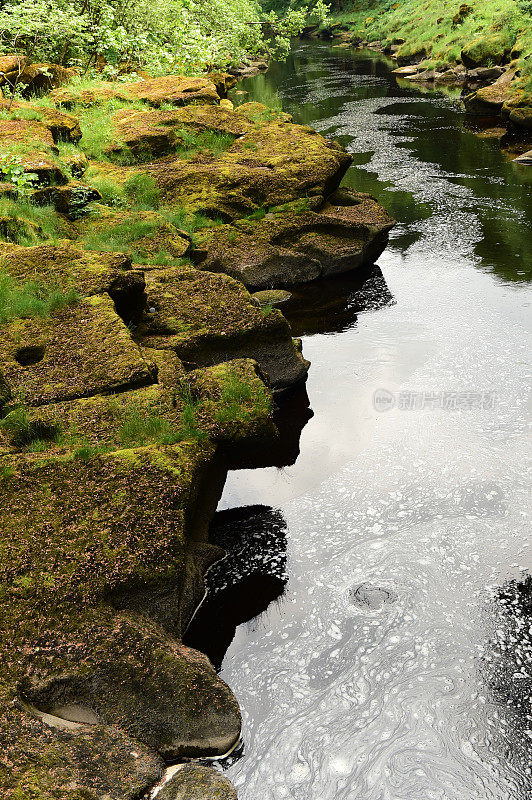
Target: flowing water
394	666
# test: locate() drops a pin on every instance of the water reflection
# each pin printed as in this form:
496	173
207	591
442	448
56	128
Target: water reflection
245	582
507	669
351	95
364	680
332	305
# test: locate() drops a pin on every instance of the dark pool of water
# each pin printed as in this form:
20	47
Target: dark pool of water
377	667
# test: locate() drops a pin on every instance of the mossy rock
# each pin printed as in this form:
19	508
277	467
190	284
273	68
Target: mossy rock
47	763
197	782
69	200
151	133
490	99
82	350
272	164
485	51
40	78
230	404
176	90
207	319
235	405
140	233
223	82
86	529
272	297
299	242
518	109
67	265
31	143
63	127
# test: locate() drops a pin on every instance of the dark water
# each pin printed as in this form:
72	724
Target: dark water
394	666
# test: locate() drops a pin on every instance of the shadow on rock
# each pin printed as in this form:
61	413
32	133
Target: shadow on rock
242	585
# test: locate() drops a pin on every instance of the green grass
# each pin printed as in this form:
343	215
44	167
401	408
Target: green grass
210	142
27	114
99	132
429	29
141	426
23	223
143	191
23	300
34	435
240	401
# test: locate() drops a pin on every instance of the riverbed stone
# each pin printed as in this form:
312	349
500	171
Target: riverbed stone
525	158
207	319
518	109
81	350
490	99
299	242
198	782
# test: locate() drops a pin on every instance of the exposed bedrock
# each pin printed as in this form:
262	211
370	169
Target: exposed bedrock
196	782
273	163
207	319
299	242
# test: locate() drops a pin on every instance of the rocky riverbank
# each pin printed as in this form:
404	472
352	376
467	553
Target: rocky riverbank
484	52
135	366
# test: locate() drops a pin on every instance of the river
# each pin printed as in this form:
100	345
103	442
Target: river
387	666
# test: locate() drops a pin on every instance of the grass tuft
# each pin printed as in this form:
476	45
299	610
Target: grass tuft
31	299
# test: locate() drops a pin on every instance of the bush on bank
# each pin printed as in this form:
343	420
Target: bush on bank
161	36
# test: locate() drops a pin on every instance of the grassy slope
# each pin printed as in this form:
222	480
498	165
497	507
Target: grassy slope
427	26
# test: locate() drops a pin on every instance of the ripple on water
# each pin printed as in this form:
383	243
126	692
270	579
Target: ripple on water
375	678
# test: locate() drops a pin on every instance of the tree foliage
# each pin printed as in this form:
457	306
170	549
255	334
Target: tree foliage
161	35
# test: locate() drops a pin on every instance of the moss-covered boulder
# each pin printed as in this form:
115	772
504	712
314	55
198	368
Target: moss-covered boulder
41	760
30	143
79	351
490	99
207	319
228	403
141	233
63	127
299	242
176	90
69	200
270	165
518	109
152	132
197	782
485	51
39	78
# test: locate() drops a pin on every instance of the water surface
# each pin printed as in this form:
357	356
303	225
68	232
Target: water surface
390	668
